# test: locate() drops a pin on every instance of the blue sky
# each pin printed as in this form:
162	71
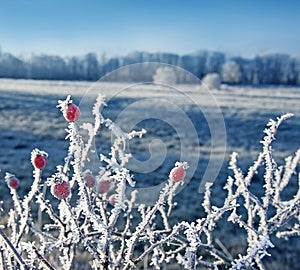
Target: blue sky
116	27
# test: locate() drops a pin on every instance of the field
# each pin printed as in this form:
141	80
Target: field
184	122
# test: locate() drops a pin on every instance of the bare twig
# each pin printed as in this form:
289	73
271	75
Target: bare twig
13	249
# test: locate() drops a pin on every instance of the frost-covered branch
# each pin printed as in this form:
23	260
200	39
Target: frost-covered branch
91	213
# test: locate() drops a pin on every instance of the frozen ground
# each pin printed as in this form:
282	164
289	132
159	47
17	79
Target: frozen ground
29	118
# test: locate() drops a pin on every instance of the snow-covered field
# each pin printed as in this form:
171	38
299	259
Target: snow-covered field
29	117
182	122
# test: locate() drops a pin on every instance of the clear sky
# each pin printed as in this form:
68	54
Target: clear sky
117	27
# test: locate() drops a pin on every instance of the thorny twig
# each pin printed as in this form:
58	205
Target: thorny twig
112	231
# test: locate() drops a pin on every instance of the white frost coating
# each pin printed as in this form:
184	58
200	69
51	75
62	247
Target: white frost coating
119	234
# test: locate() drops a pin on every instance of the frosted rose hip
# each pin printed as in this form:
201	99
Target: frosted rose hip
40	161
61	190
103	186
89	180
112	199
13	182
177	174
72	113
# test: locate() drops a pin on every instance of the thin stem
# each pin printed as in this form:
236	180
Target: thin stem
2	259
16	253
42	258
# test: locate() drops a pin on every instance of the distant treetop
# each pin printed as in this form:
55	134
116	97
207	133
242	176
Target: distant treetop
273	68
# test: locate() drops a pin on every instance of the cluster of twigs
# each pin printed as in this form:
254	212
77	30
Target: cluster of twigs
107	224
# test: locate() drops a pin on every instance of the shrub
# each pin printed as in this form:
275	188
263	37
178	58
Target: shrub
212	81
110	231
165	75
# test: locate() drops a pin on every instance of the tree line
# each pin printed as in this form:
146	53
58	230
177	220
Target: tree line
272	68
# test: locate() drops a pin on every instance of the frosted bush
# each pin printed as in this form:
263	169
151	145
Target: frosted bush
101	224
165	75
212	81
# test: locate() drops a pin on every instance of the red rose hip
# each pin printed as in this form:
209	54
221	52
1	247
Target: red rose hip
13	182
103	186
40	161
61	190
89	180
177	174
112	200
72	113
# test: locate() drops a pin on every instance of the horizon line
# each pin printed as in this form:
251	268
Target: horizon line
26	55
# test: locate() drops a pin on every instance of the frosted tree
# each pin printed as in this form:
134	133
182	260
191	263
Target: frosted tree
90	67
165	75
11	66
231	72
214	62
296	63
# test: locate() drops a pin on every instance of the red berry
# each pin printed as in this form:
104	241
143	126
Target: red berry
112	199
40	161
61	190
13	182
103	186
177	174
89	180
72	113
